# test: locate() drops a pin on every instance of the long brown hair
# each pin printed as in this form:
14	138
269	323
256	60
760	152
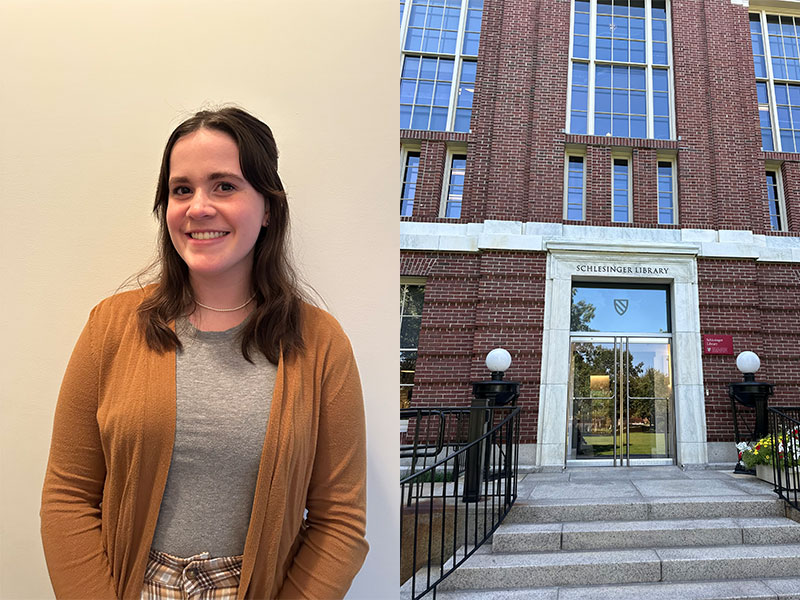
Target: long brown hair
274	324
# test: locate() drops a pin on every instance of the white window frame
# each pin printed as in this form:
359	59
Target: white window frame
592	62
404	150
577	153
457	56
674	162
763	9
452	150
620	155
776	168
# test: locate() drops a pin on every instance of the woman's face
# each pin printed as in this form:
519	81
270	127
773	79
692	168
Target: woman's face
213	214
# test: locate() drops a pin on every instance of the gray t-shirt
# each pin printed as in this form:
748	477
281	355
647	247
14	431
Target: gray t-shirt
223	405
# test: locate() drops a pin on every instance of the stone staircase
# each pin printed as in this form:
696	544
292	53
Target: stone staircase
638	533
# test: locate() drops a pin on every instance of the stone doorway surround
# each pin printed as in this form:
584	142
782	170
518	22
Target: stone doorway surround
622	262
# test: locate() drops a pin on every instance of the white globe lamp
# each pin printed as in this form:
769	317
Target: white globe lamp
748	363
498	361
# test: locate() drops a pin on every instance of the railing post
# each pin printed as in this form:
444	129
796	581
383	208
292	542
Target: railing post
473	479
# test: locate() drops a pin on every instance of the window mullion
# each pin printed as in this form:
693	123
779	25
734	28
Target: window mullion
458	59
673	119
773	105
648	37
404	23
592	58
571	66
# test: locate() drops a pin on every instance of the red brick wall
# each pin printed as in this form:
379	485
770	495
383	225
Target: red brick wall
515	165
759	305
474	303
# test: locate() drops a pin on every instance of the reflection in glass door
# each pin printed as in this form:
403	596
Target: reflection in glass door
621	391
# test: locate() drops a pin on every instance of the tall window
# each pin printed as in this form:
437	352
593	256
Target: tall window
620	75
574	188
777	215
666	192
440	48
777	66
454	188
411	297
408	189
621	196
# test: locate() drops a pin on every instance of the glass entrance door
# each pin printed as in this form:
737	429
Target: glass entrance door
621	408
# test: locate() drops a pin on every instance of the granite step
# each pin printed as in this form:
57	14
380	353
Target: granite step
626	509
785	588
498	570
600	535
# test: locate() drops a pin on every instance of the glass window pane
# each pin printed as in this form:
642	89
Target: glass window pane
638	127
761	89
438	119
638	54
659	31
620	51
603	76
660	80
580	98
424	92
660	53
778	68
659	9
580	46
428	68
603	49
766	140
638	77
602	100
405	117
580	74
420	117
471	44
661	128
787	141
577	122
620	128
602	124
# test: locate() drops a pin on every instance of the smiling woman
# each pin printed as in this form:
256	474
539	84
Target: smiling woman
209	435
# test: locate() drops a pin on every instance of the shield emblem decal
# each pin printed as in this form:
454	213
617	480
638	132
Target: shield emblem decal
621	305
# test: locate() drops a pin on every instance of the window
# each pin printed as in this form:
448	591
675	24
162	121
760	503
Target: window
574	188
620	69
621	190
440	48
666	193
411	297
408	188
453	192
777	215
776	60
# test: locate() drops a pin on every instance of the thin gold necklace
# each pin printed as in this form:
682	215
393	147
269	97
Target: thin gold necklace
226	309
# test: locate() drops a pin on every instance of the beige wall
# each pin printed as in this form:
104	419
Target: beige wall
90	91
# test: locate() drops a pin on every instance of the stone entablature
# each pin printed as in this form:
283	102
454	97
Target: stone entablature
538	237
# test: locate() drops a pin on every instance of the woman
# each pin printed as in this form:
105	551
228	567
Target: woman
201	417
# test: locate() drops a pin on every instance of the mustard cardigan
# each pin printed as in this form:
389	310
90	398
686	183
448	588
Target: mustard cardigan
112	445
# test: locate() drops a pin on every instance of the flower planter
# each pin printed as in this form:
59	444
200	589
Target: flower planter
766	473
403	425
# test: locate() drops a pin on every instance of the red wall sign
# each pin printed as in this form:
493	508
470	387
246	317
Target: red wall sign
717	344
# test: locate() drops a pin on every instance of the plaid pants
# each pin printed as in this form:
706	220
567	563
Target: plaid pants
198	577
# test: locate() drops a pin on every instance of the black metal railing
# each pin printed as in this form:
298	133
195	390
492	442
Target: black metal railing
785	431
454	500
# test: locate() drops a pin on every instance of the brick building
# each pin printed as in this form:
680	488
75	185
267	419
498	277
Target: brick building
598	186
